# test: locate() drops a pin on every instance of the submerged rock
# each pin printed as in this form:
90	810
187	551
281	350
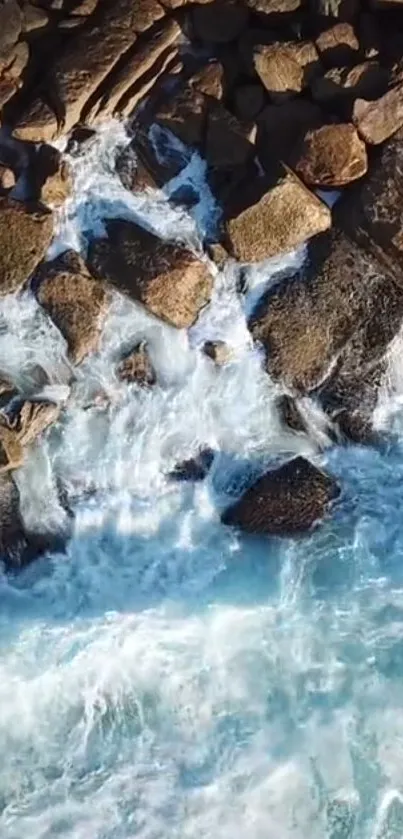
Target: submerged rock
137	367
25	235
75	301
285	501
168	279
194	469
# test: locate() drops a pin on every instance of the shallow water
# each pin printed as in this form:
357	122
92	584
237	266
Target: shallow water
167	678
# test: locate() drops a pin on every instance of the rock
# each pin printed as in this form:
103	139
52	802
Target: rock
185	195
84	65
343	10
139	71
18	63
342	85
11	451
376	121
7	177
169	280
282	127
10	28
315	323
249	101
289	413
219	22
33	17
30	418
140	166
209	80
285	501
25	235
79	140
371	213
284	217
226	144
75	302
194	469
51	180
85	7
285	69
7	390
184	114
137	368
332	156
338	46
217	254
274	7
218	351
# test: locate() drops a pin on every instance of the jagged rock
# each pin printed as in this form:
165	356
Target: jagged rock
371	213
184	114
284	501
169	280
209	80
83	66
282	127
10	28
249	100
24	237
284	217
338	46
79	140
342	85
289	413
194	469
218	351
11	451
50	176
18	61
139	72
332	156
139	166
75	302
226	144
33	17
7	177
137	367
285	69
376	121
316	320
27	419
219	22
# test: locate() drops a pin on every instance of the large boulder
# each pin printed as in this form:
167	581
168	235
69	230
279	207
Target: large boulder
332	156
377	120
281	219
74	300
285	501
167	278
285	69
25	235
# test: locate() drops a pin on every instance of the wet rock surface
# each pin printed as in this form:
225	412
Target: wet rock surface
136	367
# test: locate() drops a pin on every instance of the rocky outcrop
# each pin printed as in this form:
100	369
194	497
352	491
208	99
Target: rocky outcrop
25	235
285	69
332	156
285	501
136	367
75	301
285	216
376	121
171	282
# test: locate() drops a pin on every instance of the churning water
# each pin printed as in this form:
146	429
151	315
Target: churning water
167	678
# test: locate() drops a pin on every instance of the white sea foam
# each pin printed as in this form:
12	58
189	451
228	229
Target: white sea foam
166	678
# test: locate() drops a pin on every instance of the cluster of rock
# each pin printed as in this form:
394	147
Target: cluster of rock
280	98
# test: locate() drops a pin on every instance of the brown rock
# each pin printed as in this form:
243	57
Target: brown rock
226	144
274	7
282	127
376	121
284	217
10	28
137	367
169	280
139	166
314	324
51	180
11	451
85	7
217	254
209	80
8	88
338	46
85	64
249	101
19	61
28	419
75	302
7	390
285	501
33	17
332	156
290	414
219	22
185	115
24	237
7	177
344	84
286	68
218	351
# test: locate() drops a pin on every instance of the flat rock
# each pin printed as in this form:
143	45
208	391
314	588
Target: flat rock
285	501
314	323
25	236
136	367
219	22
283	218
285	69
338	46
376	121
75	301
168	279
332	156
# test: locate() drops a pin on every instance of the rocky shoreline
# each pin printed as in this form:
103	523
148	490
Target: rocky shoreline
285	101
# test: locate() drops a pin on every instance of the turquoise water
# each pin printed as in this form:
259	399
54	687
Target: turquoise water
168	678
